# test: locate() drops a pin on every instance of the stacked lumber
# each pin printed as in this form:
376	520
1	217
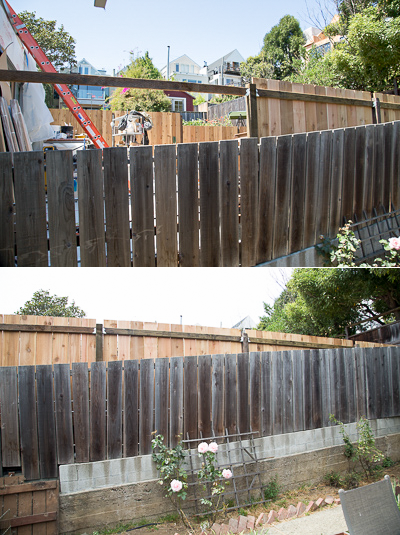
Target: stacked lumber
13	132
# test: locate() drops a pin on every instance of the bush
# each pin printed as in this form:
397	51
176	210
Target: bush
272	489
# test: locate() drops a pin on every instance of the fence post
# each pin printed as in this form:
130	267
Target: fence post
251	109
245	342
99	342
376	111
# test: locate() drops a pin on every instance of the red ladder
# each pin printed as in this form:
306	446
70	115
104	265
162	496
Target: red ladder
44	63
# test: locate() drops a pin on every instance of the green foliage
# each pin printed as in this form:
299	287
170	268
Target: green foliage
272	489
44	304
334	479
220	99
325	301
126	99
199	100
221	121
256	67
283	48
364	450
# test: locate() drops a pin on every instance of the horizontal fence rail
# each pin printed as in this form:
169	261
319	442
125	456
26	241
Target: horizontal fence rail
62	414
225	203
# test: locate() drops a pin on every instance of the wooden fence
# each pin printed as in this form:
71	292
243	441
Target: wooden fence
117	407
38	340
193	204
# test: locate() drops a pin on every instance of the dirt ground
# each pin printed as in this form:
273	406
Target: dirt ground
304	494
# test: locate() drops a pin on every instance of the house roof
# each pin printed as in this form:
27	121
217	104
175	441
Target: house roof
184	56
225	57
245	323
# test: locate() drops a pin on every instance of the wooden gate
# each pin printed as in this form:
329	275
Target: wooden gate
28	508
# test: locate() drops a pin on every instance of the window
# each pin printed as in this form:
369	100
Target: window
177	67
179	105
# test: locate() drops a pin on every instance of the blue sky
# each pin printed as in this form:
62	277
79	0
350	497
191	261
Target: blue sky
205	30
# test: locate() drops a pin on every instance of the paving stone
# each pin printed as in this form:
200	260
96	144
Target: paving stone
216	529
224	529
272	516
319	502
250	522
259	519
310	507
337	501
233	525
282	514
300	508
329	500
242	524
291	512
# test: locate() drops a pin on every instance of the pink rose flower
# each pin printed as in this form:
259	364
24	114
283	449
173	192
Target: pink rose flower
227	474
213	447
176	485
395	243
202	447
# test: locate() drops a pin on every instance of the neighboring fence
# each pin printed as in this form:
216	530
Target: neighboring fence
38	340
117	407
197	134
28	507
385	334
190	205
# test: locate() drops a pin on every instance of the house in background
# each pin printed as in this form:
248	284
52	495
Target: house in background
89	96
184	69
225	70
180	100
316	39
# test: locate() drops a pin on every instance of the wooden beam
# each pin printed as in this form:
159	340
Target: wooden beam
294	343
46	328
33	519
168	334
28	487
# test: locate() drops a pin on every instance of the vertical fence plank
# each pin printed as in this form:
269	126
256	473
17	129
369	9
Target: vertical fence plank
361	387
266	394
316	389
131	400
46	424
298	391
266	200
176	400
349	173
343	387
28	422
395	164
243	381
146	405
91	208
369	168
229	184
386	171
80	389
218	394
360	185
282	195
9	417
166	207
161	397
209	205
141	174
190	426
349	361
287	391
395	380
7	253
230	393
324	185
255	391
248	200
116	196
373	383
61	207
114	410
313	201
204	393
98	437
325	390
299	222
337	162
188	201
64	430
30	208
307	384
277	394
379	164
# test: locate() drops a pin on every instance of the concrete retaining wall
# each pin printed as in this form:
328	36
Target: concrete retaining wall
95	495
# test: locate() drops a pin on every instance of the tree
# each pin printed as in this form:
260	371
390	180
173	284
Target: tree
140	99
283	48
44	304
256	67
327	302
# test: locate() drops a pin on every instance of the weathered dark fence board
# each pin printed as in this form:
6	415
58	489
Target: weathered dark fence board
98	435
298	389
161	396
116	197
379	165
395	163
46	423
229	203
282	196
361	388
243	392
9	417
31	231
277	395
255	390
307	392
188	192
266	199
394	351
28	422
131	406
351	385
61	207
63	408
387	177
266	400
360	168
7	254
230	393
146	425
176	400
141	174
336	218
209	204
114	410
349	172
218	394
166	208
287	390
316	389
324	200
80	389
190	398
249	199
298	195
204	393
91	208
